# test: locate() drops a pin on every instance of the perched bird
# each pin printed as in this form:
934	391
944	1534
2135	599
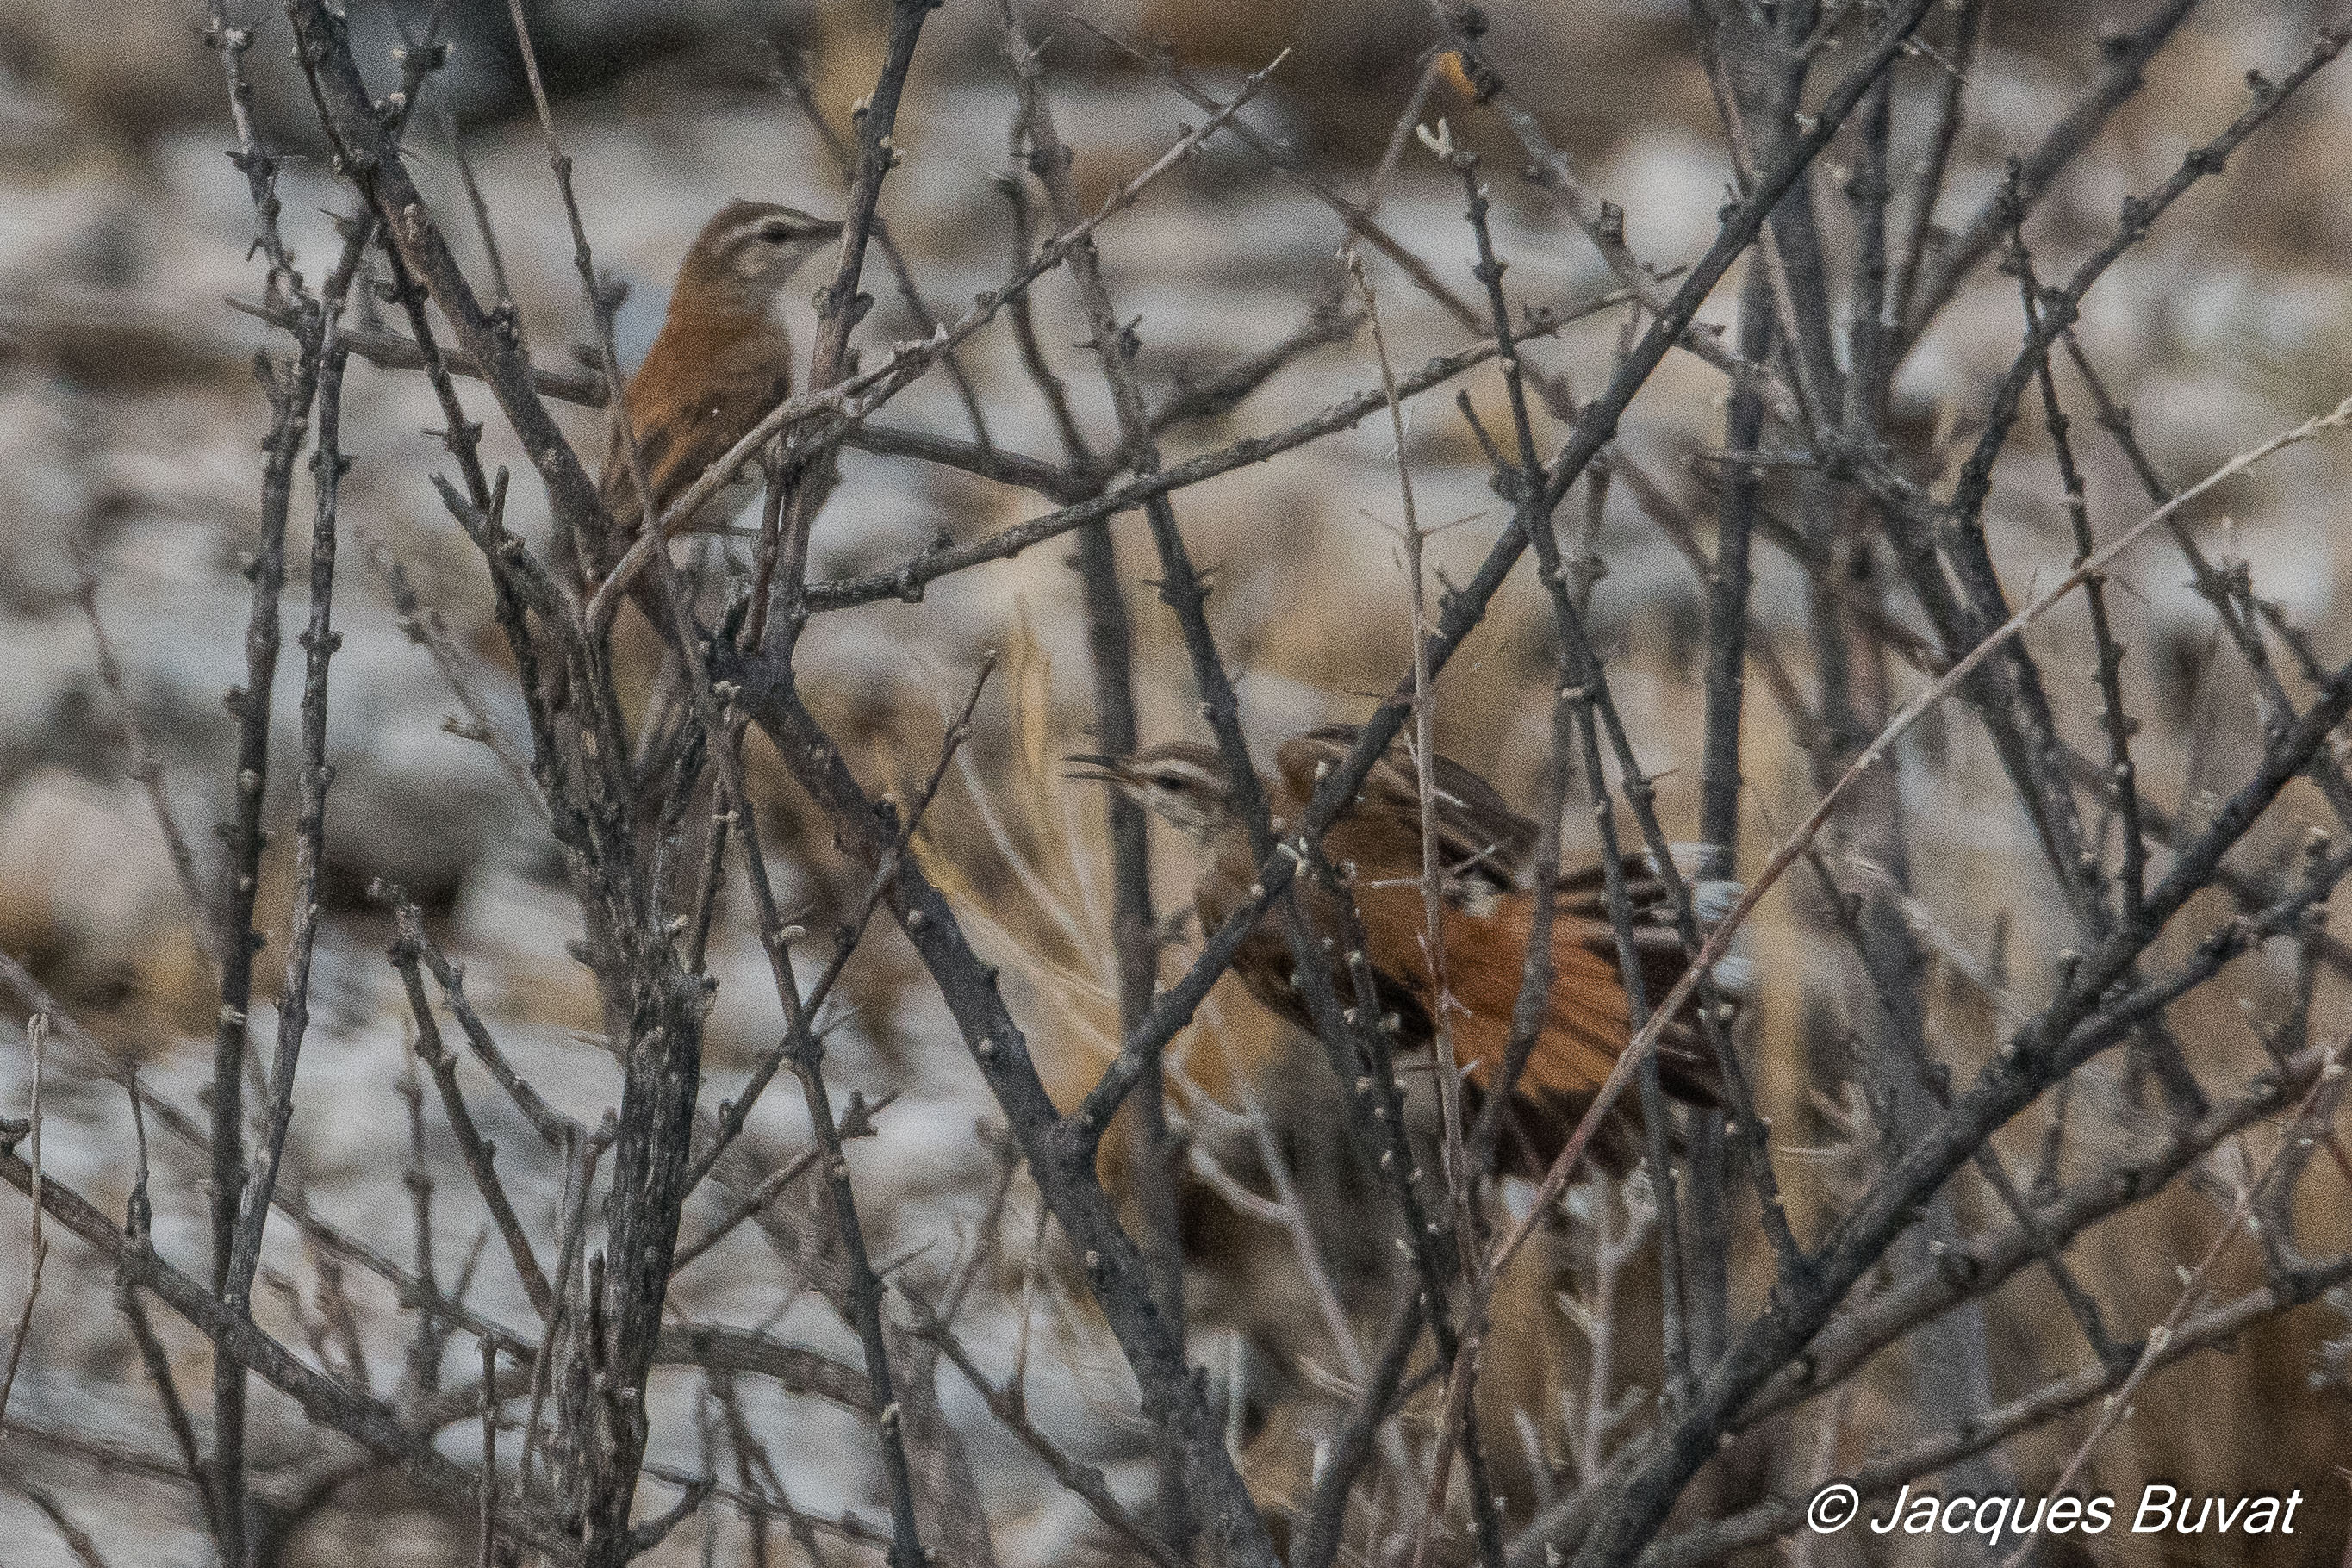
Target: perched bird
721	361
1484	850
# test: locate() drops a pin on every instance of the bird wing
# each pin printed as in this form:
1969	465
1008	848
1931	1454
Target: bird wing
1485	846
677	446
1482	844
675	453
1587	1020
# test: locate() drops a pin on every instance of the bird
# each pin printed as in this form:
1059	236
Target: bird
1485	854
721	361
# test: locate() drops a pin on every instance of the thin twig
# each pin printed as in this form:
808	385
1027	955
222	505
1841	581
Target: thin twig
2193	1282
77	1540
146	769
486	1530
1787	852
477	1151
367	1421
37	1033
850	399
1006	1404
320	640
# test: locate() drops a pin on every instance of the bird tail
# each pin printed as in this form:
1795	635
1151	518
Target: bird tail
1587	1025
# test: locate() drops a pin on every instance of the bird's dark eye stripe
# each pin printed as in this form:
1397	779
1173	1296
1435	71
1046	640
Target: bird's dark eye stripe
769	231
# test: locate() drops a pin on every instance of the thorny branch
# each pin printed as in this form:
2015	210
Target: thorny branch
1751	1324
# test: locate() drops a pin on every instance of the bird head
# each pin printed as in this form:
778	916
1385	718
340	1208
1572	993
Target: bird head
746	254
1180	782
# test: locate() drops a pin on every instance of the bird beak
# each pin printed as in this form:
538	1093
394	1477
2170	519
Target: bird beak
1099	769
823	230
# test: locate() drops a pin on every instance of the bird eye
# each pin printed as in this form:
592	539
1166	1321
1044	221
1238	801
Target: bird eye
775	233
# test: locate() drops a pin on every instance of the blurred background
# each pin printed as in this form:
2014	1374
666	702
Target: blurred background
129	419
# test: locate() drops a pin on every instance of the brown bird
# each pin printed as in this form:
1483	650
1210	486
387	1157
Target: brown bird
720	362
1484	850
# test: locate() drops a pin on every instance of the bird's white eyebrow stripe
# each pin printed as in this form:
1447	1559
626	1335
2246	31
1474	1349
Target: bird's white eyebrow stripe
752	228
